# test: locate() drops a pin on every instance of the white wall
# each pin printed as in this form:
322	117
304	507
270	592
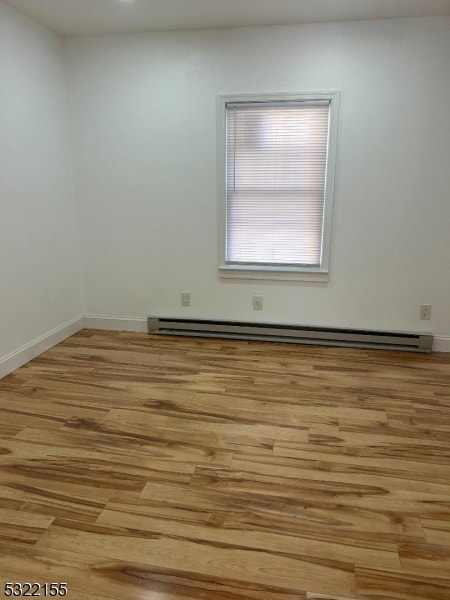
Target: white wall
144	141
144	126
39	254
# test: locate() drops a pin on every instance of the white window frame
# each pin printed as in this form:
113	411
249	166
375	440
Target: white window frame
277	272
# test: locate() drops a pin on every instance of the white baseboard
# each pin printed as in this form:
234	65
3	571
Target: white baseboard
19	357
16	359
441	343
115	323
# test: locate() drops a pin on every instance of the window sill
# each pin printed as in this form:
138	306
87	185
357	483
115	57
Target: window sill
272	273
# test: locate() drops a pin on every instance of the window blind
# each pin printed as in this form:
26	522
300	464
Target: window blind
276	160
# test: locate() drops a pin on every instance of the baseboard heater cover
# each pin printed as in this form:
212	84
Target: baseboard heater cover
295	334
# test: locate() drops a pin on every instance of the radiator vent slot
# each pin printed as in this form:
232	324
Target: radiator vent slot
294	334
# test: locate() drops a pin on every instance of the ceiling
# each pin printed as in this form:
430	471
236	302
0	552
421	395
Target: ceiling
80	17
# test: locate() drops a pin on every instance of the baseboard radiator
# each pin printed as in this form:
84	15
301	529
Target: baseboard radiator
326	336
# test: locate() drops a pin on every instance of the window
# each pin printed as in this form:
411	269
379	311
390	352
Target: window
277	185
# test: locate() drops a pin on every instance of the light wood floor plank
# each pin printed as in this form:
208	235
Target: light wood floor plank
140	467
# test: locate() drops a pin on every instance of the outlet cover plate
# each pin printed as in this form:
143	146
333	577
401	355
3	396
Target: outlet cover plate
258	302
185	298
425	312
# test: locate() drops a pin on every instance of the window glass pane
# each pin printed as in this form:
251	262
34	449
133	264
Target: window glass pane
276	172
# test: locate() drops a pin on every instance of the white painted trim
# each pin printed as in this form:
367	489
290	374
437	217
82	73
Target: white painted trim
16	359
277	273
115	323
441	343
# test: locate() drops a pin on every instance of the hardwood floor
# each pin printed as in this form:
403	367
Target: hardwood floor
135	467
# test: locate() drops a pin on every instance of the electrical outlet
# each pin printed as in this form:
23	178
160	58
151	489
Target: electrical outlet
425	312
258	302
185	298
